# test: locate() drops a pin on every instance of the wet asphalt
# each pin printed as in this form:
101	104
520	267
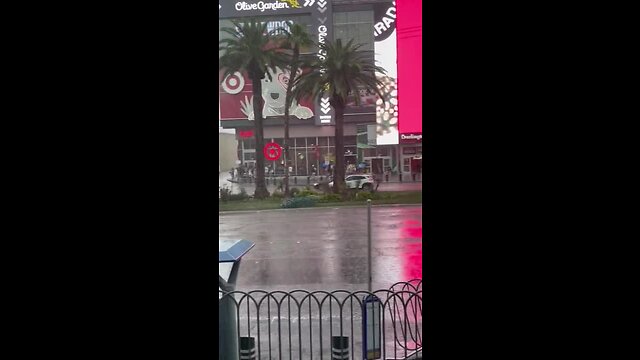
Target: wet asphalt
326	248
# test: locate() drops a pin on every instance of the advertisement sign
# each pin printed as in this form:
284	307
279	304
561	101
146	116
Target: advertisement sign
409	27
236	97
237	89
411	138
384	30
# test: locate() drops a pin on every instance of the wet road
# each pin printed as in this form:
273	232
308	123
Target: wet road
326	248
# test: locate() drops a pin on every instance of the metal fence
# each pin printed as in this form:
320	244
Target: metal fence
309	325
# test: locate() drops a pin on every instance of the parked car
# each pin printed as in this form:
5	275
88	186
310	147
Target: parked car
359	181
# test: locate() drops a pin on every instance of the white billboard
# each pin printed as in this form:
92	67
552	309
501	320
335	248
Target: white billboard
384	30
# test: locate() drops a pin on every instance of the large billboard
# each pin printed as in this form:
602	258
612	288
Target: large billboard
384	30
236	97
409	27
318	16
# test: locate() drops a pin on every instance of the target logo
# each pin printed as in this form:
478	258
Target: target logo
233	84
272	151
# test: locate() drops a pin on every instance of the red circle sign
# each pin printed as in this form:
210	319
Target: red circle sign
272	151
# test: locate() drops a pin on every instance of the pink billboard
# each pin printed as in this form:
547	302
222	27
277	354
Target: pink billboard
409	38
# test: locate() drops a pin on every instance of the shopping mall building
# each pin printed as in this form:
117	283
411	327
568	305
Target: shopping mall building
382	135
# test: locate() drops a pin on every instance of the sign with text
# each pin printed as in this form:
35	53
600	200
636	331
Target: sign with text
384	30
320	25
411	138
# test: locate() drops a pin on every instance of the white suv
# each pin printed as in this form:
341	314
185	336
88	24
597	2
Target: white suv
364	182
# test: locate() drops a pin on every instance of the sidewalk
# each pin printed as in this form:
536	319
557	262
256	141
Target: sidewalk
305	180
302	181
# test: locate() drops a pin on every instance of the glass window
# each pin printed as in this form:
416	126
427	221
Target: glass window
301	161
322	141
332	141
249	144
356	25
250	156
350	140
350	150
312	141
383	151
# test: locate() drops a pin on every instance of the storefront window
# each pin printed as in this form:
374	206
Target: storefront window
322	141
301	161
249	144
312	141
406	165
350	150
350	140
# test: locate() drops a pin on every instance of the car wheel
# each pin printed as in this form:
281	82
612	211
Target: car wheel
367	187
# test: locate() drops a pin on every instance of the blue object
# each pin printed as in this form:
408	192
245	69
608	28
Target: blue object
233	250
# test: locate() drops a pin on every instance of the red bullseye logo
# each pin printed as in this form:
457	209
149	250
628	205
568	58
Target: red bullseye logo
233	84
272	151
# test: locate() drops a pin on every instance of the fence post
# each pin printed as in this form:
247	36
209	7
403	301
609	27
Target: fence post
247	348
369	276
227	330
339	347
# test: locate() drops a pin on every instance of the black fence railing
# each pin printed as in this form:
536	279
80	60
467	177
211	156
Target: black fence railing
339	324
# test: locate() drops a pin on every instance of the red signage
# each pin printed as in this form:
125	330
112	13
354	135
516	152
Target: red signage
245	134
272	151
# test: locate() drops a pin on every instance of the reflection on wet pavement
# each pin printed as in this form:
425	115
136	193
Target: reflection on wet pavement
326	248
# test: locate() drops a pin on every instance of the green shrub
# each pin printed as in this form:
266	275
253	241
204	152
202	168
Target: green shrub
305	192
364	195
299	202
277	194
330	198
241	196
225	193
294	191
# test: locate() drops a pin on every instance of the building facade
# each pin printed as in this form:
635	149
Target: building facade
227	155
371	129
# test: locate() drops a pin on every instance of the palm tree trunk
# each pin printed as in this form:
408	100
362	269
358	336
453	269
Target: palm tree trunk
338	179
261	187
287	105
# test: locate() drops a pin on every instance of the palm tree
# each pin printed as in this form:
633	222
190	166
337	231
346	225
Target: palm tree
344	71
251	50
295	38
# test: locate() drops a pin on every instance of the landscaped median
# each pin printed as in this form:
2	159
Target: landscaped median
310	198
